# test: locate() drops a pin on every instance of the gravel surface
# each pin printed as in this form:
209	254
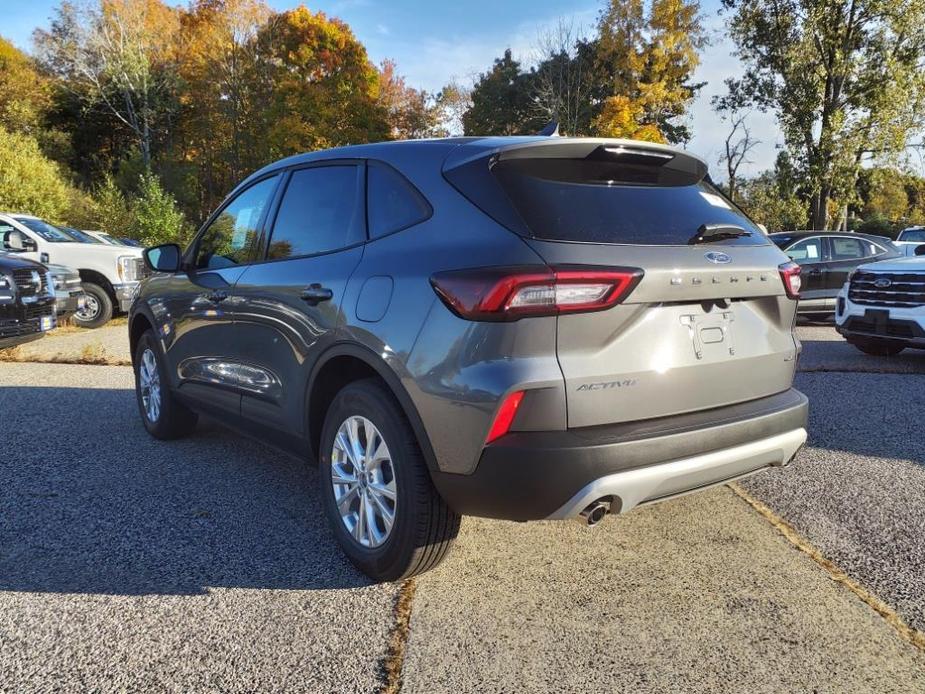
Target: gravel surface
129	564
698	594
858	490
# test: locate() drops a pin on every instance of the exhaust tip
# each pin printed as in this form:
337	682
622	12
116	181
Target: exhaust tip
594	513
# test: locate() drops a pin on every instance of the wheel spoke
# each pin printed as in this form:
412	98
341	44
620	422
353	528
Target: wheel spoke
385	513
386	490
341	476
363	481
343	503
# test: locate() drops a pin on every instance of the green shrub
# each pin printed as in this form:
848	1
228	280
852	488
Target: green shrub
29	182
157	219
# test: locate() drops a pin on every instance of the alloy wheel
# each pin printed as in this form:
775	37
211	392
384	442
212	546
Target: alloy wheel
149	383
363	479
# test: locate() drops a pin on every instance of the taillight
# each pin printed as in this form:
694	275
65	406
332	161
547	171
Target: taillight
505	416
790	275
510	293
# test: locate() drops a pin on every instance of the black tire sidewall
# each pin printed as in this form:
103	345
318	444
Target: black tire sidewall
105	304
164	427
368	400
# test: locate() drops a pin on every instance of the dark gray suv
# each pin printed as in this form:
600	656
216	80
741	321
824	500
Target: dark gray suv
520	328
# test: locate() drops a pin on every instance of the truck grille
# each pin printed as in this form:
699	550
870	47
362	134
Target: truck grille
24	278
899	290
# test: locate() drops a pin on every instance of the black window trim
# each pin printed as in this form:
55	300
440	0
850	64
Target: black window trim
270	220
414	189
189	255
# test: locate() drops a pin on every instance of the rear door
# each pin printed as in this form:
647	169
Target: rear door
708	325
288	308
846	253
812	255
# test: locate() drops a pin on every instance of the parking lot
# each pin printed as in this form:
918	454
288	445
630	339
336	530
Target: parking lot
205	563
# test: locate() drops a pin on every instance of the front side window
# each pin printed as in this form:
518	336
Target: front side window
320	211
45	230
393	203
808	251
234	236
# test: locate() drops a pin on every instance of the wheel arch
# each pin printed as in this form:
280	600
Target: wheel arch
347	362
98	278
138	324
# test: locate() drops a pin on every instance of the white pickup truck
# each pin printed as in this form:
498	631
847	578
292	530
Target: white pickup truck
109	274
881	308
909	239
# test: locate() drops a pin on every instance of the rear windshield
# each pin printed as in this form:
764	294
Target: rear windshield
577	200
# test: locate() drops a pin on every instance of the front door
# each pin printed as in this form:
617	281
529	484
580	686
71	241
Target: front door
197	309
288	308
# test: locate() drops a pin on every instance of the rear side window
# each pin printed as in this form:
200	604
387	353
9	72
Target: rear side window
600	202
851	249
320	212
394	204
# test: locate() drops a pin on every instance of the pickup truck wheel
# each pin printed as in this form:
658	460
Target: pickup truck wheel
377	492
880	348
163	415
97	310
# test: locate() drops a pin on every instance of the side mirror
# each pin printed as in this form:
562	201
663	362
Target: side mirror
165	258
16	241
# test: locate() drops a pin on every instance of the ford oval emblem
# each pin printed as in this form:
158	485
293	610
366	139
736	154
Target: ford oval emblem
883	282
718	258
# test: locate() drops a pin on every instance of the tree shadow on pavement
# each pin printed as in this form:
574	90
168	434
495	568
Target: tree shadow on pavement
89	503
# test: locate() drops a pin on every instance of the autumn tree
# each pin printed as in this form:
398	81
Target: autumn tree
411	113
24	96
844	77
647	57
118	53
224	93
324	89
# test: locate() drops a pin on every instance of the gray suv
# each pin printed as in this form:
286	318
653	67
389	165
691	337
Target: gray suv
519	328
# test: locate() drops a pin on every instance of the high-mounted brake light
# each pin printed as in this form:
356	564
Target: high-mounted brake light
510	293
790	275
505	416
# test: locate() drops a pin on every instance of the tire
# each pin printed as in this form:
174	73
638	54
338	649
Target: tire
880	348
173	419
98	311
423	527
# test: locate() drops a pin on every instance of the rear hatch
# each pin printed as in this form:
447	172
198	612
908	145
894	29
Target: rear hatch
709	324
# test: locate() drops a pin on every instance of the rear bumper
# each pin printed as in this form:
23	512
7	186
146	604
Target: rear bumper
536	475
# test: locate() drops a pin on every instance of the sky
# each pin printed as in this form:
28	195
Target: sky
434	42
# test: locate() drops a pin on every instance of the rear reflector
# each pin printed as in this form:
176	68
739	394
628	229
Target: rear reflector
505	416
790	275
510	293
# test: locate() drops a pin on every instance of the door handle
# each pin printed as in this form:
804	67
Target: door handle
217	296
815	272
314	294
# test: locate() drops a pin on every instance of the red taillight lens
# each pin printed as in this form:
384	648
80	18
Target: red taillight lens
790	275
509	293
505	416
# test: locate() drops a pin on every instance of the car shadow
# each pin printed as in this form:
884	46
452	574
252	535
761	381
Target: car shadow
89	503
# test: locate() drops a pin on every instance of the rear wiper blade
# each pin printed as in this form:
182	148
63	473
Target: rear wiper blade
718	232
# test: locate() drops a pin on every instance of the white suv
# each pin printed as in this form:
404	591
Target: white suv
109	274
881	308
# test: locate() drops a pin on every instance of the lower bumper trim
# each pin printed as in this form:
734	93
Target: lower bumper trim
633	488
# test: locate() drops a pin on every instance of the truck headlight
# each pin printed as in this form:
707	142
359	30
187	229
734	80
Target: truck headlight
128	268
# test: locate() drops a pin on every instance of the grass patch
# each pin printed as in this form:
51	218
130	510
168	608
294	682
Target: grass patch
391	667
